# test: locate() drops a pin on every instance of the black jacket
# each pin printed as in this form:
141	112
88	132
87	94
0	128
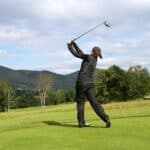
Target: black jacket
88	66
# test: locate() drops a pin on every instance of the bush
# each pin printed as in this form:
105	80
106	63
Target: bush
116	84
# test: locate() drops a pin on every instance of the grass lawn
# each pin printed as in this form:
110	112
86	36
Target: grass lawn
55	128
147	97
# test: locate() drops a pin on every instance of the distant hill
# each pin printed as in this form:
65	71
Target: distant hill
26	79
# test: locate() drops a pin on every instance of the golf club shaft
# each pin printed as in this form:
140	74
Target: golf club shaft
89	31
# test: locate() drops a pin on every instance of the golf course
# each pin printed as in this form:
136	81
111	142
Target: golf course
55	128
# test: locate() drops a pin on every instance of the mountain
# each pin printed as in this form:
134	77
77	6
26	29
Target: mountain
26	79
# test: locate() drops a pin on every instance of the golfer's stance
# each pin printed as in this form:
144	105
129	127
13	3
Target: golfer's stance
85	84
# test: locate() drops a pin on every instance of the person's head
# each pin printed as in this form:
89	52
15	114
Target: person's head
96	51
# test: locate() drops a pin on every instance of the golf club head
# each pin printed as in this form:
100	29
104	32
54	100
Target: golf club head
107	24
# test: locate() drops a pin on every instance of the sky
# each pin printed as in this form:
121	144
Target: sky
34	33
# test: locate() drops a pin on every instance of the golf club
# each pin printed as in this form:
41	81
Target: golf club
107	24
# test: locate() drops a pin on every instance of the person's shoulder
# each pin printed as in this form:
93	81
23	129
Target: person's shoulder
91	57
86	56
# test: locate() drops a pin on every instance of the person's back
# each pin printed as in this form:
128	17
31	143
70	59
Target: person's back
87	70
85	84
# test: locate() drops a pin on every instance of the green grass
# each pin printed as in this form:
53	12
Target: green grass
55	128
147	97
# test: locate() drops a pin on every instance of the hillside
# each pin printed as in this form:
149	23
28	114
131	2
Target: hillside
26	79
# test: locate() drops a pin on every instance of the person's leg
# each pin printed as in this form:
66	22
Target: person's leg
96	105
80	112
80	99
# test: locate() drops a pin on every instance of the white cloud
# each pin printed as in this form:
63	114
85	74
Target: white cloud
12	33
3	52
125	62
44	27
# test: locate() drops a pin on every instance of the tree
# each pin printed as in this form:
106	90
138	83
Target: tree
44	84
116	83
56	97
138	81
145	81
101	86
27	98
8	94
111	84
2	102
69	95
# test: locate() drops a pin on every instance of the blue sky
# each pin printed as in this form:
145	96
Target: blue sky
34	33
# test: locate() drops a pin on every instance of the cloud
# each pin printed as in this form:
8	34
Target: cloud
12	33
41	29
3	52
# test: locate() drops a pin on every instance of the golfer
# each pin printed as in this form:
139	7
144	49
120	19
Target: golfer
85	87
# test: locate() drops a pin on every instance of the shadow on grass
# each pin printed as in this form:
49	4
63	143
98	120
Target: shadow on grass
55	123
68	124
128	117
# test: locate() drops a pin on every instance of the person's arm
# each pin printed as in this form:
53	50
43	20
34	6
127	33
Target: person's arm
76	51
72	50
79	51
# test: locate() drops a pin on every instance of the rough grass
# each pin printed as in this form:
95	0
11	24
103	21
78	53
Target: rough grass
55	128
147	97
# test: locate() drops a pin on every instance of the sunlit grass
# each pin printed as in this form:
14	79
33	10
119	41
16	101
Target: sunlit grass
55	127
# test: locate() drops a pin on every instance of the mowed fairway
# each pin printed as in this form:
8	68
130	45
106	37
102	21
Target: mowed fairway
55	128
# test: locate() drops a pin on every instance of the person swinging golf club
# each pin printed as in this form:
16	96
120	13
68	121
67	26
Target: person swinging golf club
85	84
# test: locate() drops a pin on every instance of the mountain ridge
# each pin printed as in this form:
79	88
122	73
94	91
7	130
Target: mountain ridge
26	79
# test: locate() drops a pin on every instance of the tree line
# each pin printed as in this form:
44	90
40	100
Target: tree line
42	95
112	84
116	84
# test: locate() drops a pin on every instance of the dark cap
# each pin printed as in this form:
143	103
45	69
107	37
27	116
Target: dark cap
97	51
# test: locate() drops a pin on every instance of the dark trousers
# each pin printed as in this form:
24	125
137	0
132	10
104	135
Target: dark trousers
88	91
